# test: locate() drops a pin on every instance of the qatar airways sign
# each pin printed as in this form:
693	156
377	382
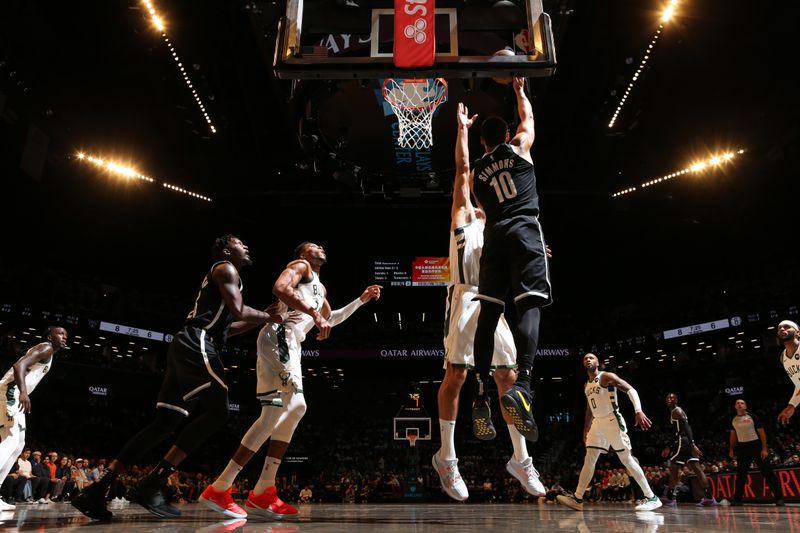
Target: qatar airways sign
411	352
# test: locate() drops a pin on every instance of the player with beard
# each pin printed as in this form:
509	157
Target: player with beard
789	335
604	430
280	384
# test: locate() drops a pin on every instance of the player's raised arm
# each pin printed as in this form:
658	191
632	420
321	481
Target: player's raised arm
373	292
525	131
462	211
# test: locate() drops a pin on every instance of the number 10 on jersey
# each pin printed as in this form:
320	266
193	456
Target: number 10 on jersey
503	186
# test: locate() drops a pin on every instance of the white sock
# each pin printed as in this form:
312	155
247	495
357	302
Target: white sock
226	478
267	478
518	441
447	431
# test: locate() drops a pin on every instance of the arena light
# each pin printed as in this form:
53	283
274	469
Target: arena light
669	11
158	24
696	167
114	167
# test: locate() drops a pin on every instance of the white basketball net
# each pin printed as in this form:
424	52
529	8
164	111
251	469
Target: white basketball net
414	102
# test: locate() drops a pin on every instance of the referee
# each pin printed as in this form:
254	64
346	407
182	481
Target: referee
749	444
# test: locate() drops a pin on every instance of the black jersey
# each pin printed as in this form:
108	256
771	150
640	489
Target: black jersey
210	318
505	185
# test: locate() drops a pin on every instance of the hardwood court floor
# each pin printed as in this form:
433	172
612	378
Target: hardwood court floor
422	518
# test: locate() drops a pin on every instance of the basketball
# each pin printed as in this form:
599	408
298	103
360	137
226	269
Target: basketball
505	80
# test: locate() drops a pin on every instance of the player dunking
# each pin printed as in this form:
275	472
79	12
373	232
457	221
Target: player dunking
194	381
280	384
15	387
789	334
605	430
466	242
684	451
514	259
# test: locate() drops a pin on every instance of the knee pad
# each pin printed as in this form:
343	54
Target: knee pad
296	408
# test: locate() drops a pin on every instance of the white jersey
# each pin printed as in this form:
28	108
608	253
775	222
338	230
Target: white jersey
466	244
602	400
312	293
792	366
36	372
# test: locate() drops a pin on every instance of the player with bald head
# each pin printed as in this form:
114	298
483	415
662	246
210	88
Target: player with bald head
605	430
789	335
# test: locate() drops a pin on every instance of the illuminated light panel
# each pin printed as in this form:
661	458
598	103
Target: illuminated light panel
158	24
710	163
129	172
669	11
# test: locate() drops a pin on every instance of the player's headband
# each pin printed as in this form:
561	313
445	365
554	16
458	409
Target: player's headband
789	323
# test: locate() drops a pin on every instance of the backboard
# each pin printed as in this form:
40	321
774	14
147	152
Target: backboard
320	39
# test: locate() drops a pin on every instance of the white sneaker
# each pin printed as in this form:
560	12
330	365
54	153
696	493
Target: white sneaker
40	500
649	504
124	502
6	506
451	481
48	500
527	475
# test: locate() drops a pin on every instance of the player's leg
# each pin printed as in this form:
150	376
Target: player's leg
171	412
708	497
492	288
263	500
444	461
521	464
673	483
635	471
575	501
12	442
530	287
270	391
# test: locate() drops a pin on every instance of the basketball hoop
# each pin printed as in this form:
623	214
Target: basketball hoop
412	439
414	102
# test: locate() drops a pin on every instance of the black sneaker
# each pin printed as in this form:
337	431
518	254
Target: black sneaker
92	503
482	425
151	496
517	402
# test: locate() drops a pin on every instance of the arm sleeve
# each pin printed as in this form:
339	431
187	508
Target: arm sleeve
340	315
794	401
634	396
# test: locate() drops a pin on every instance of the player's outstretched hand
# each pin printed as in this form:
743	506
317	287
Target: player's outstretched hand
786	414
697	451
665	453
548	251
519	84
462	116
642	421
373	292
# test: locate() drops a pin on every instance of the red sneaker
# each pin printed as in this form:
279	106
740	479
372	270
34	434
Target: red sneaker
269	506
222	502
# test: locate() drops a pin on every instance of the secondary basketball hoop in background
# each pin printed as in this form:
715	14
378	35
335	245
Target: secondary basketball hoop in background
414	102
